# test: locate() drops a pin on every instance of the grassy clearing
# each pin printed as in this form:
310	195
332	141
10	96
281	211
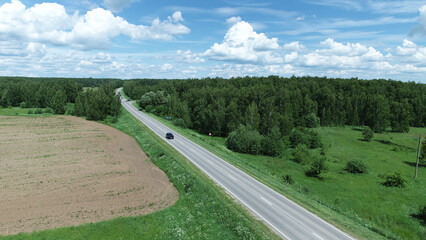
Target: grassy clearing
358	204
203	210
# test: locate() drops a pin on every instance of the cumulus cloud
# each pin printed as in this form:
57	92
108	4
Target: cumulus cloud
411	52
233	20
294	46
242	44
338	55
117	5
421	28
189	57
48	23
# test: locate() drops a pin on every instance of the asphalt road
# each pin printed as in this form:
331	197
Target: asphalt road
286	218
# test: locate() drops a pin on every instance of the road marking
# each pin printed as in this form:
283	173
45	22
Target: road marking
266	201
317	236
232	177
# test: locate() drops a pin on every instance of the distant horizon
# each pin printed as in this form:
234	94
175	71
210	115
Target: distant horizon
130	39
227	78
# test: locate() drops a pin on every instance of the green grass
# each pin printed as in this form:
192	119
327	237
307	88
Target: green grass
203	210
358	204
16	111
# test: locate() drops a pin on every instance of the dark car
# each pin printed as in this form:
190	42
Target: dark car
169	136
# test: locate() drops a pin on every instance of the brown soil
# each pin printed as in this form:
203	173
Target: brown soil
65	171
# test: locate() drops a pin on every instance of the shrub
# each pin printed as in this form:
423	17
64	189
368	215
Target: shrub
244	140
288	179
307	137
272	144
179	122
422	214
23	105
48	110
312	121
38	111
318	167
301	154
356	167
394	180
423	151
30	111
367	134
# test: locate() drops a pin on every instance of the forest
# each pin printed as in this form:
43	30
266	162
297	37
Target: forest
220	105
92	98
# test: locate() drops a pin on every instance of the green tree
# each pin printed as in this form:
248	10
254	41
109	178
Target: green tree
272	144
400	117
244	140
423	152
377	113
318	166
58	102
252	117
367	134
312	121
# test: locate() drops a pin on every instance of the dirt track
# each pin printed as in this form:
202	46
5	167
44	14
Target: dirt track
64	171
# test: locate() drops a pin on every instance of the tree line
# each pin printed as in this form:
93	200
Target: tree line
92	98
220	106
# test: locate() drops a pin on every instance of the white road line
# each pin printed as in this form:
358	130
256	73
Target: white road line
317	236
266	201
232	177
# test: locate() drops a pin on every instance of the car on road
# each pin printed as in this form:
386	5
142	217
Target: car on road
169	136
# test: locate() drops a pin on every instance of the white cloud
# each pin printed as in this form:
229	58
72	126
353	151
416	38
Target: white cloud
392	7
421	28
36	49
117	5
189	57
294	46
410	52
167	67
338	55
345	4
49	23
291	57
242	44
233	20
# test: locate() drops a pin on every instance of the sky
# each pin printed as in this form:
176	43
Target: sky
223	38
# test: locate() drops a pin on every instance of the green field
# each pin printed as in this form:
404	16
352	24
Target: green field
203	210
359	204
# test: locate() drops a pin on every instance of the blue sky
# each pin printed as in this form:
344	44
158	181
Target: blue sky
196	39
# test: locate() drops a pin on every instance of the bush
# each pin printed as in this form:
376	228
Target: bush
179	122
244	140
394	180
272	144
288	179
318	167
301	154
422	214
356	167
312	121
38	111
23	105
30	111
367	134
307	137
423	150
48	110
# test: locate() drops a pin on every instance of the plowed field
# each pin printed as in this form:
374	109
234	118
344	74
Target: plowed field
65	171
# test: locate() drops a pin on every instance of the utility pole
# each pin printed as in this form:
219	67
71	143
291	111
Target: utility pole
418	155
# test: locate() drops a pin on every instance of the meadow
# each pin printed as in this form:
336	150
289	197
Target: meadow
358	203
